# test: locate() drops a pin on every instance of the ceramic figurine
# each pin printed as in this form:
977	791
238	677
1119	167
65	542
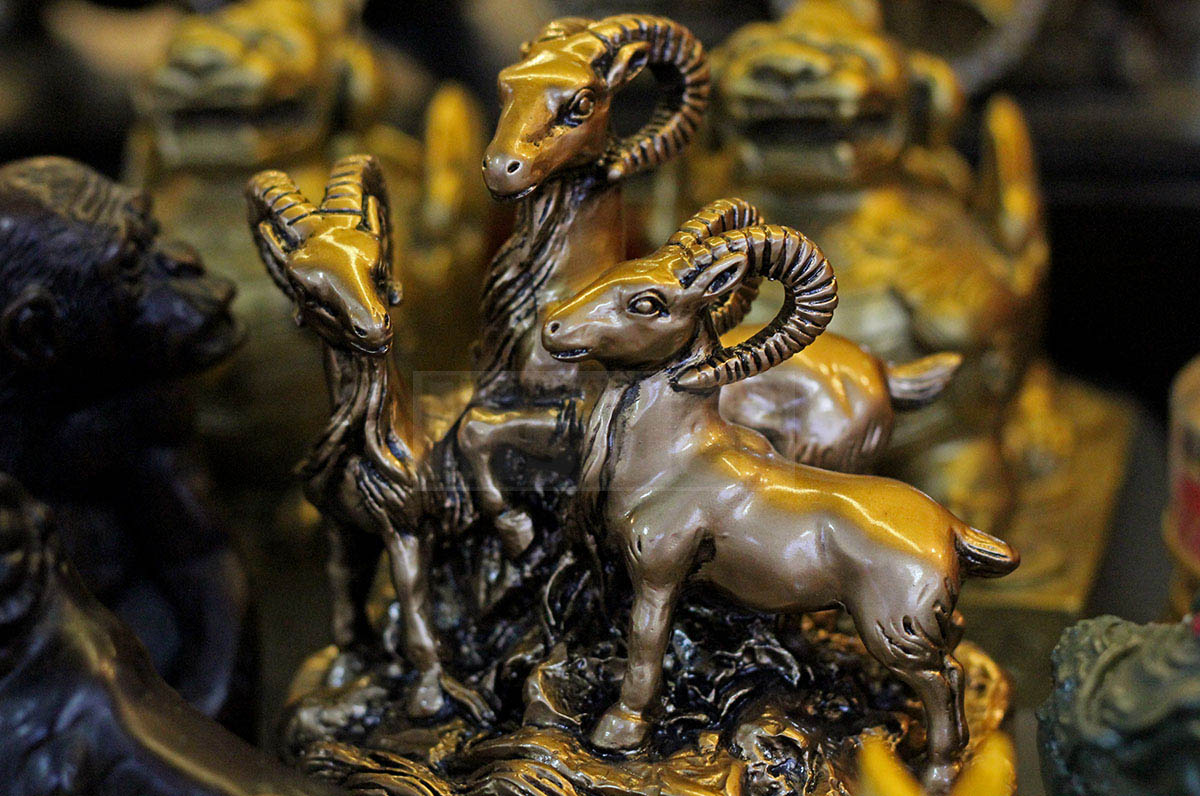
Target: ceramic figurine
1122	718
296	84
99	317
684	494
1181	520
82	710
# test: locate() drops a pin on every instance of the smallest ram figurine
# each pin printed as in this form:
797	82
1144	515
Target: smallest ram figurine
685	494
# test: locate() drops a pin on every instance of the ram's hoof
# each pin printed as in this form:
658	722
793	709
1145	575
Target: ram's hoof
516	531
426	698
620	729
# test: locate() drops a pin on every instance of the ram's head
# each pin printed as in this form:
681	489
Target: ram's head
555	101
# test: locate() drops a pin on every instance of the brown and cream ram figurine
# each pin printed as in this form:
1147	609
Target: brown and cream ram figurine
685	495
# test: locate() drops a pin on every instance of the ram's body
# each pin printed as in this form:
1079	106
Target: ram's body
834	404
685	494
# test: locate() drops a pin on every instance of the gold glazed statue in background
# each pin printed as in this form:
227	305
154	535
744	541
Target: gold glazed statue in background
295	84
830	125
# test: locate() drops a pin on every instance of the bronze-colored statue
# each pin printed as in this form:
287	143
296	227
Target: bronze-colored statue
684	494
1123	715
525	615
531	674
82	710
334	262
99	317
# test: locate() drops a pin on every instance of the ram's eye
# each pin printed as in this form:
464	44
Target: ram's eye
581	106
648	304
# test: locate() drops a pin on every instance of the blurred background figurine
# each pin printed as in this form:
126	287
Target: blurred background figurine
99	316
1122	720
295	84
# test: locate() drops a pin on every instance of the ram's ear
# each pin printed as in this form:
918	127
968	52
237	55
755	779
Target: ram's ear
723	276
629	61
31	329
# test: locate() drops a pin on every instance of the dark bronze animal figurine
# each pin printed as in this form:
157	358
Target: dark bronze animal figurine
98	316
82	712
334	261
684	494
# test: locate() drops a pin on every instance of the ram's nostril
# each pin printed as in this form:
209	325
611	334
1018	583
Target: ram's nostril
514	166
553	327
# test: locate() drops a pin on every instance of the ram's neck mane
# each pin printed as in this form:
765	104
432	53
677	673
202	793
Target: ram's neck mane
524	265
370	421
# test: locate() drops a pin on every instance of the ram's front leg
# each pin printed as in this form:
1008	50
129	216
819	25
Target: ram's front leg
482	434
624	725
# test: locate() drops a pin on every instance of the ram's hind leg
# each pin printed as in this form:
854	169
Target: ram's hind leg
918	655
941	693
353	556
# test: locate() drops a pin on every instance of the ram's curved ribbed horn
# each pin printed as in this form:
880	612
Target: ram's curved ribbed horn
281	219
273	196
677	59
810	296
715	218
356	189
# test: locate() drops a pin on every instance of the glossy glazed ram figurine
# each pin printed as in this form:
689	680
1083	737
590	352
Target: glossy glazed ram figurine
364	473
684	494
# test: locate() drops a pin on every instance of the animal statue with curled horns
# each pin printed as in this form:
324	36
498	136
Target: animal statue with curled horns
334	262
535	676
555	151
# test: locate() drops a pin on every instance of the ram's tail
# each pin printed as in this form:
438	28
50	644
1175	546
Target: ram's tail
983	555
914	384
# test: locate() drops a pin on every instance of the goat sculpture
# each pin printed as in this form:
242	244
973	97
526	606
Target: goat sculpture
685	494
555	149
334	262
